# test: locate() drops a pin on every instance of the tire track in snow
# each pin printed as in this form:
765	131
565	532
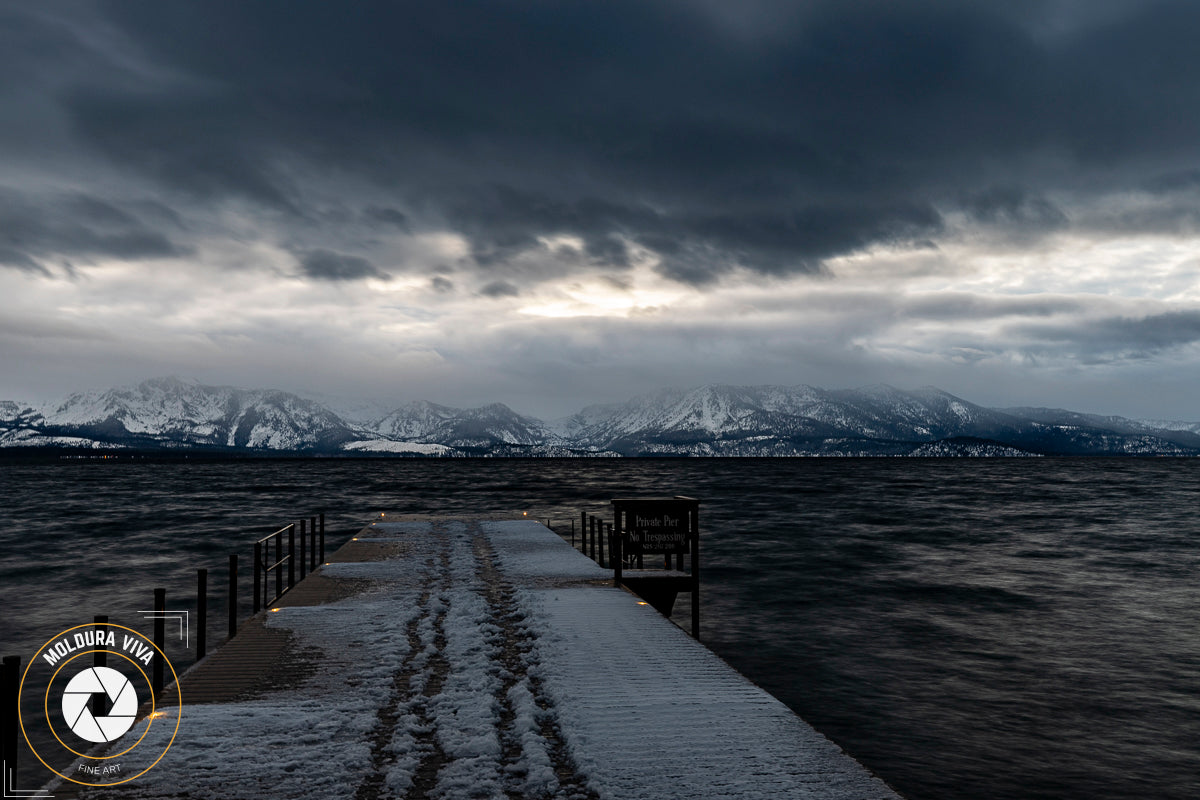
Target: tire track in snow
419	678
529	733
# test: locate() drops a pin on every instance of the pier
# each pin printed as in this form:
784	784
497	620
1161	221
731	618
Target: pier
471	657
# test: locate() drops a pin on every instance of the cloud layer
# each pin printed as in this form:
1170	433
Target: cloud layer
478	200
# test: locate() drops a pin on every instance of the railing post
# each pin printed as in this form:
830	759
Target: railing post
303	556
10	687
257	580
312	544
291	555
201	613
322	537
278	563
160	638
582	532
695	544
593	521
100	659
618	555
232	595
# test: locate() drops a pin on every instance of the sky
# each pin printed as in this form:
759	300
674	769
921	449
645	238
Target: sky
552	204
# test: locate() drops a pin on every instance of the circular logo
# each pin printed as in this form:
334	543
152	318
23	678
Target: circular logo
103	682
99	705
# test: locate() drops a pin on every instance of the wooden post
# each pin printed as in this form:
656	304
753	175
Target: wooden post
583	532
11	689
572	532
322	537
232	595
593	549
303	556
618	557
257	579
695	537
100	659
160	638
278	564
312	544
291	555
201	613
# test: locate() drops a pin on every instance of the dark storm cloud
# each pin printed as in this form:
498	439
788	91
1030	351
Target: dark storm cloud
1013	206
498	289
388	217
38	230
1115	337
951	306
327	265
774	143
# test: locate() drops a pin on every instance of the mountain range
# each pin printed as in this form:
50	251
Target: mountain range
171	415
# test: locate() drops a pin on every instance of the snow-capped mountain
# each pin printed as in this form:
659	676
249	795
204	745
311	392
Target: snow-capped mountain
473	429
172	414
803	418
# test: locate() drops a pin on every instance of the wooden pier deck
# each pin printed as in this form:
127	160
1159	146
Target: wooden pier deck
476	658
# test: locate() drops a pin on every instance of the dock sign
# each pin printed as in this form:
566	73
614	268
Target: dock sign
656	526
669	526
652	531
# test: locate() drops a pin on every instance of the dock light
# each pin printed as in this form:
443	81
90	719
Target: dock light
524	513
276	609
355	539
158	714
642	603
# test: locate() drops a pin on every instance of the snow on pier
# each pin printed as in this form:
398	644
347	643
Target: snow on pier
459	658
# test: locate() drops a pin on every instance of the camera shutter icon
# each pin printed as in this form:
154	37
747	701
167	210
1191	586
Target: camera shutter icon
76	704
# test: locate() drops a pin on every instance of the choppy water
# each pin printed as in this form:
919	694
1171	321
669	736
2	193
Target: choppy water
967	629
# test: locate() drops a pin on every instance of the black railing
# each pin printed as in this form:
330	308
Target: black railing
263	566
312	551
596	542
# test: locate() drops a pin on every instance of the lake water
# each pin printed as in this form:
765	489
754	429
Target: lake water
979	629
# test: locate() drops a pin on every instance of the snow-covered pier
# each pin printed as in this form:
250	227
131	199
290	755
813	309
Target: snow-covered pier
470	658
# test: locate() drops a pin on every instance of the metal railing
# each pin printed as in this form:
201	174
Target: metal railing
312	552
263	569
597	540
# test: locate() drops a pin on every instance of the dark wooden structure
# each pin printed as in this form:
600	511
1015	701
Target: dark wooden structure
658	526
